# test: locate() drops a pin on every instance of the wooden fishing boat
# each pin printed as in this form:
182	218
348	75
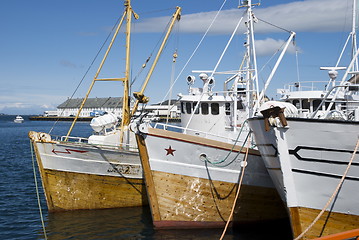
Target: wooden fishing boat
104	170
194	172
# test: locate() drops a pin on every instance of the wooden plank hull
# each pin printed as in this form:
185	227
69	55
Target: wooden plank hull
187	202
84	176
329	223
189	194
73	191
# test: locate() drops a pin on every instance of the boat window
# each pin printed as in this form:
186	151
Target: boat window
214	108
228	109
305	104
194	106
240	104
327	105
296	103
188	107
182	107
204	107
316	104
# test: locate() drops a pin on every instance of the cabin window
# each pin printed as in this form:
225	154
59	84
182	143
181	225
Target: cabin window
228	108
188	107
194	106
327	105
240	105
305	104
214	108
296	103
204	107
182	107
316	104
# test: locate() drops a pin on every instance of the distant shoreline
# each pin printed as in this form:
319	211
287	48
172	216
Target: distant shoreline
85	119
42	118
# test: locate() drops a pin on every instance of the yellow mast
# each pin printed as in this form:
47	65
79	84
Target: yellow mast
125	108
139	95
126	114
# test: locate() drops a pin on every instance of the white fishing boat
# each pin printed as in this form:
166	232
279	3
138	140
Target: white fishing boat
18	119
311	154
103	171
193	172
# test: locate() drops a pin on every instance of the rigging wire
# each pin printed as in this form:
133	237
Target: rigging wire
297	61
154	48
87	71
273	25
195	50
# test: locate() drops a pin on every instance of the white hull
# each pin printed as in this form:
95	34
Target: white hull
188	191
89	159
186	160
90	176
307	159
19	119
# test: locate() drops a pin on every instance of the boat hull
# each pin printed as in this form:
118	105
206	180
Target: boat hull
84	176
307	160
187	192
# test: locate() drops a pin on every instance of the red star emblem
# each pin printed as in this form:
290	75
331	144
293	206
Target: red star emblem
170	151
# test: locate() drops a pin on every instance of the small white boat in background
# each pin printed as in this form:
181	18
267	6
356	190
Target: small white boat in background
18	119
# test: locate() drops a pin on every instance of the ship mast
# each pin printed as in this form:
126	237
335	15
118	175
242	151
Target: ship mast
250	58
125	101
126	92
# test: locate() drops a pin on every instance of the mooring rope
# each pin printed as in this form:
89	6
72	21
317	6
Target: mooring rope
37	189
237	195
333	195
232	149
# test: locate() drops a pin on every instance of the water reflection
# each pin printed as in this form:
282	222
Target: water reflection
135	223
121	223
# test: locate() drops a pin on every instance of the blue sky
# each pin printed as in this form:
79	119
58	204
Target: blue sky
47	46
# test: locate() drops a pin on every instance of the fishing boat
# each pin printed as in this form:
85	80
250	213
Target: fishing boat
18	119
200	174
311	151
103	170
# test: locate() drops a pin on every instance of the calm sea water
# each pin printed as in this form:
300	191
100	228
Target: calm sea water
19	210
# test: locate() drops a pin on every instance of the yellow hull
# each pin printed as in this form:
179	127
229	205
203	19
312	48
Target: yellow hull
329	223
73	191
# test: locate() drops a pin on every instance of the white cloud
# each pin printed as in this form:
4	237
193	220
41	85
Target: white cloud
269	46
299	16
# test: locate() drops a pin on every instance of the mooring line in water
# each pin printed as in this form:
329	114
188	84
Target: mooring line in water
37	189
239	188
333	195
